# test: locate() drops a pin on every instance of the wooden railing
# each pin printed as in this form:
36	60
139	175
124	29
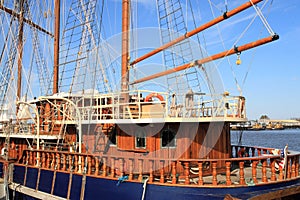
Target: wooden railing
238	171
138	106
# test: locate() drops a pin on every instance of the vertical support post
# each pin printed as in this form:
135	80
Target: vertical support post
242	173
280	177
89	165
187	173
48	160
58	156
228	180
104	169
140	178
112	168
56	45
30	158
288	167
20	51
121	161
71	157
151	162
297	166
200	173
43	160
264	171
76	163
162	178
273	170
254	171
125	44
64	158
214	173
96	166
130	169
173	172
53	160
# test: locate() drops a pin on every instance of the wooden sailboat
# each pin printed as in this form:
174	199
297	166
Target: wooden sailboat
130	143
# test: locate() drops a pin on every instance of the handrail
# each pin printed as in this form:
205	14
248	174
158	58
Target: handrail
269	156
259	169
111	106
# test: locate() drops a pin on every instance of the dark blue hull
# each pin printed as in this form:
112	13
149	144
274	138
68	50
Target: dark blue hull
104	188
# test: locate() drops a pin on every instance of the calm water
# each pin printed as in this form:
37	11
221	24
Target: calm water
269	138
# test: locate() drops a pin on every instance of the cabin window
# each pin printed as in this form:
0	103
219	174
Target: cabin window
168	138
140	139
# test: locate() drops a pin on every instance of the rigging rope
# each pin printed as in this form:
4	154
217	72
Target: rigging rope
105	78
223	44
10	53
249	67
199	43
209	82
263	19
134	24
239	38
226	6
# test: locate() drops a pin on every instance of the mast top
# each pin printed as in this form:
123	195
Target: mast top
56	45
125	44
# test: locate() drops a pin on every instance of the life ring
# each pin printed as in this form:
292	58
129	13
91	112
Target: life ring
147	99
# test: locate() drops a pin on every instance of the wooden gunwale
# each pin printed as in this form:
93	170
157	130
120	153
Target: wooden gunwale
264	174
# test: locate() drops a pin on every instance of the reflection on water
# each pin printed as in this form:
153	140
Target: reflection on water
269	138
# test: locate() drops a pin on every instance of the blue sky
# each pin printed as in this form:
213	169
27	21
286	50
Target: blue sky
273	84
273	81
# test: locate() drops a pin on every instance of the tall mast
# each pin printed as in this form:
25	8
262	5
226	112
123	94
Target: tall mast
56	45
125	44
20	50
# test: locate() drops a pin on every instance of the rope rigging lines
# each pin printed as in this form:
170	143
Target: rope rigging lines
172	24
259	13
22	53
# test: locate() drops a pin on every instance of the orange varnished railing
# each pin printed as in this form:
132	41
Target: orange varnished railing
259	167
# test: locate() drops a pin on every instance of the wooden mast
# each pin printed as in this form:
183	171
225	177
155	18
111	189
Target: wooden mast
125	45
20	51
56	45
